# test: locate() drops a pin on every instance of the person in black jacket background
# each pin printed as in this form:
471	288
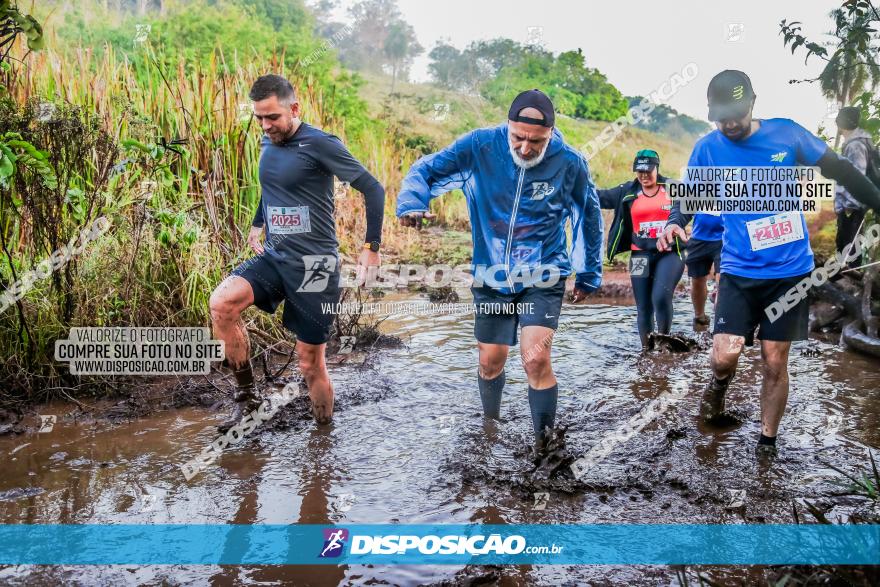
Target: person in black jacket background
641	210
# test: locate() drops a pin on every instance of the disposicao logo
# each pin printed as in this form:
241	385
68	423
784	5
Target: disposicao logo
334	542
448	545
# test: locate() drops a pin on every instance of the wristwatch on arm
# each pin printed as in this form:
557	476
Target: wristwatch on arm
372	246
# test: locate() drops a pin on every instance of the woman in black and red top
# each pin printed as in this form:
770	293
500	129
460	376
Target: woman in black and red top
641	210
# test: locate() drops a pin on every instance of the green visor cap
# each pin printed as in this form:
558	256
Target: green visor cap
646	160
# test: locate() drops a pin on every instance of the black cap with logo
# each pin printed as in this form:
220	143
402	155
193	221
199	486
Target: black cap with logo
730	95
532	99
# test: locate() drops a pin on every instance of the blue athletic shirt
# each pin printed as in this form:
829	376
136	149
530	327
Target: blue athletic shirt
707	227
777	142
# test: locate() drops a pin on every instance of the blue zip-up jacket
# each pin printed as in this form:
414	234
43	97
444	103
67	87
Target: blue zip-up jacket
517	215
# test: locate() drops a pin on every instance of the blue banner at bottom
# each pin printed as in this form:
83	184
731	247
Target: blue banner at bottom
454	544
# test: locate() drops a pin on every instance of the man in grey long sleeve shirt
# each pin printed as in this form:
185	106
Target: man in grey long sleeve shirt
299	264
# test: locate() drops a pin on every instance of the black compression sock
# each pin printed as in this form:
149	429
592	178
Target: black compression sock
543	405
768	440
244	375
490	395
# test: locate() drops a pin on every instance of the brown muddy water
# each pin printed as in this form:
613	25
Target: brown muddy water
408	445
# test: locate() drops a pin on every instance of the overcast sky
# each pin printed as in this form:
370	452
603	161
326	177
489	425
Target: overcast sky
638	44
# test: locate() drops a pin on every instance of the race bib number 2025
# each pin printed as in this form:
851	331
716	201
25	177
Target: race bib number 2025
285	220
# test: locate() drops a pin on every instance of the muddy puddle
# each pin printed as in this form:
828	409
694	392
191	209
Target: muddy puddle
408	445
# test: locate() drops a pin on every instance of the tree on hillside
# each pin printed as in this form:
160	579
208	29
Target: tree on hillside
665	119
399	48
501	68
446	67
478	62
380	40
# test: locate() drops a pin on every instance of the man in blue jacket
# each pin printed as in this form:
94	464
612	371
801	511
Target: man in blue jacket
521	182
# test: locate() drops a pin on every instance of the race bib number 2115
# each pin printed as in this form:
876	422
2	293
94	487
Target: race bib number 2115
773	231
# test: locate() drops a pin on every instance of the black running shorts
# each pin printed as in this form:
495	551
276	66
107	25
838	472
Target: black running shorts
497	316
742	307
308	294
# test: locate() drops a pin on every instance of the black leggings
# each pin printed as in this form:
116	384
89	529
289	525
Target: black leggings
654	276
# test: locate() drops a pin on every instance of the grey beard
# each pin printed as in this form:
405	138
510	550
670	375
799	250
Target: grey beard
523	163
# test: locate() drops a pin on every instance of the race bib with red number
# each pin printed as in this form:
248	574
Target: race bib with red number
651	229
284	220
773	231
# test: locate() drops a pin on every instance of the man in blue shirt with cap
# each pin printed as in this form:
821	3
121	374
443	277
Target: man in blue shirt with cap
522	183
758	265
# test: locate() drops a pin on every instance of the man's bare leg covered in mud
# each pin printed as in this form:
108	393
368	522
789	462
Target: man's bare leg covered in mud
726	350
314	370
232	297
228	301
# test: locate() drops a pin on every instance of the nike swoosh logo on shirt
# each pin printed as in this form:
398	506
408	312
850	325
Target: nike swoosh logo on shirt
304	144
548	316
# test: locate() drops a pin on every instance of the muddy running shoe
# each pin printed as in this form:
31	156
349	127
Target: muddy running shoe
550	455
246	401
766	453
700	321
712	405
539	449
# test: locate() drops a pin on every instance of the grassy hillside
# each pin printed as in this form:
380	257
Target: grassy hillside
412	106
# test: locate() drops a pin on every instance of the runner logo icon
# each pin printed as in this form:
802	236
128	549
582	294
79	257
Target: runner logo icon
318	269
334	542
638	266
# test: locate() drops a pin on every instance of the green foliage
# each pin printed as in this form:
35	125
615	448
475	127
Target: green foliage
869	104
13	23
575	89
16	152
195	30
277	33
501	68
852	66
175	231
